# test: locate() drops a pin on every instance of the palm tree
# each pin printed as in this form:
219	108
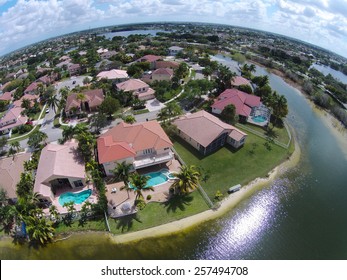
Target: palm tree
26	104
36	139
187	179
81	97
224	77
122	171
68	133
54	214
14	148
39	229
130	119
53	102
280	106
140	184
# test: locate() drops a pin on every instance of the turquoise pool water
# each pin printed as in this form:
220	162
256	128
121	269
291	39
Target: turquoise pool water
157	178
77	198
259	119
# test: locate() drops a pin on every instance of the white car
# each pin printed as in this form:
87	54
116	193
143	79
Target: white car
47	110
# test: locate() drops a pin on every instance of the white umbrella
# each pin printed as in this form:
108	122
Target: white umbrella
126	207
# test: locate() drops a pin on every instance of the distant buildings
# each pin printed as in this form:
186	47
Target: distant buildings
174	50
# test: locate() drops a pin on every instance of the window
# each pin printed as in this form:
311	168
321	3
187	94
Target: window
166	149
78	183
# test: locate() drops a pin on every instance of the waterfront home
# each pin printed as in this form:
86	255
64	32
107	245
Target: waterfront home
13	118
140	144
92	100
206	133
174	50
248	107
60	168
113	74
10	171
240	81
137	88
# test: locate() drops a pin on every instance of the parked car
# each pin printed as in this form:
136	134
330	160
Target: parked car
74	82
47	110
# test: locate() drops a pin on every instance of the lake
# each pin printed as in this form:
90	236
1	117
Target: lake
301	215
110	35
326	70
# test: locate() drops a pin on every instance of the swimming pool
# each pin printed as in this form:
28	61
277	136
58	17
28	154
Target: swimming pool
76	198
157	178
259	119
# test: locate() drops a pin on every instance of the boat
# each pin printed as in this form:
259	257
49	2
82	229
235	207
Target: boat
234	188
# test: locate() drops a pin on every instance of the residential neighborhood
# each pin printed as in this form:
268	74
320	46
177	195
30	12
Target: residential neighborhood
102	129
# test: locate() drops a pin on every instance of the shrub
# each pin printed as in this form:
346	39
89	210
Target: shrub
140	204
149	197
218	196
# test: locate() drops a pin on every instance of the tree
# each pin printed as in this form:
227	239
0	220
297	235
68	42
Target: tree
279	107
122	172
187	179
25	185
70	206
26	104
39	229
54	214
109	106
228	114
53	102
86	143
246	88
239	58
68	133
14	148
170	129
140	184
36	139
98	121
182	71
86	80
3	142
224	76
129	119
171	110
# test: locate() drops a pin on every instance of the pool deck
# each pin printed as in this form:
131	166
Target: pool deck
118	198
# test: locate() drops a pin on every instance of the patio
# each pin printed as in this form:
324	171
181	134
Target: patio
117	197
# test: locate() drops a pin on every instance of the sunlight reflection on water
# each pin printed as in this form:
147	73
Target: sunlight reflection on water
243	232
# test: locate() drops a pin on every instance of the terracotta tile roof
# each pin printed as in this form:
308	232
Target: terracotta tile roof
204	127
7	96
31	97
32	87
166	64
113	74
10	171
238	81
124	140
132	85
163	71
93	97
12	114
150	58
242	101
58	161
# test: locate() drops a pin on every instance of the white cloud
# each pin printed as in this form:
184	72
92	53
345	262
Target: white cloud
321	22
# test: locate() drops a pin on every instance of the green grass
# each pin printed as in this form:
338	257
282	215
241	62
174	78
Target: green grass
228	167
139	112
282	134
1	114
97	225
157	213
24	137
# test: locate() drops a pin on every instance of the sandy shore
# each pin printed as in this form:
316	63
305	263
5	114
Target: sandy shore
226	205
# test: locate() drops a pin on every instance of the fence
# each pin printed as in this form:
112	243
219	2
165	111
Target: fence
200	188
278	143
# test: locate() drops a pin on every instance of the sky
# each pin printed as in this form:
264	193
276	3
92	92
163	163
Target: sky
319	22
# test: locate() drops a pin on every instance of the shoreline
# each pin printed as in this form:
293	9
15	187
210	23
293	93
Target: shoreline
226	205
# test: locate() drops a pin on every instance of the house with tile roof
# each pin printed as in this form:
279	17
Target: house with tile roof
206	133
139	89
33	88
60	167
113	74
74	69
166	64
12	119
93	99
162	74
140	144
239	81
10	171
151	59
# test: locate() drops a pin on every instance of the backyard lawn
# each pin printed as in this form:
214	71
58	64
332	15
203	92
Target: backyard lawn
228	167
160	213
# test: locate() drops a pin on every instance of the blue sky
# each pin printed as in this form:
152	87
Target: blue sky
320	22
